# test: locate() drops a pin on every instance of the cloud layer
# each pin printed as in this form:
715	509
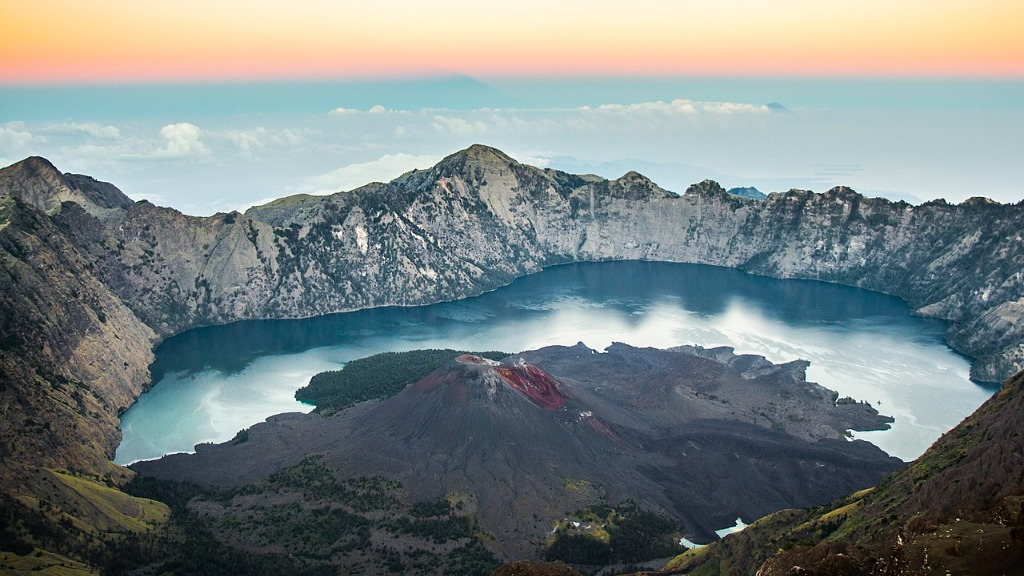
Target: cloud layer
203	164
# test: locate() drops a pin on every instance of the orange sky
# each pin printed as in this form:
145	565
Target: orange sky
47	41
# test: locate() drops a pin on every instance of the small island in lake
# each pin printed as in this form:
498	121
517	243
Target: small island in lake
526	448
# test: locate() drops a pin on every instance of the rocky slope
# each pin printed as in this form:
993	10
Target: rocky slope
72	357
958	509
701	435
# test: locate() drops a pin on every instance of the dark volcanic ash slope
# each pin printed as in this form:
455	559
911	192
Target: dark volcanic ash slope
669	429
958	509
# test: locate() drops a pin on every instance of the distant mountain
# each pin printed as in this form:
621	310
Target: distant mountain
92	281
700	435
958	509
748	192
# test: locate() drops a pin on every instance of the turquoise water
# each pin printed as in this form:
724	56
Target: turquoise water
212	382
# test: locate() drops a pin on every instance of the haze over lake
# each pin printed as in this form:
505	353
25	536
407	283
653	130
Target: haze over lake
213	382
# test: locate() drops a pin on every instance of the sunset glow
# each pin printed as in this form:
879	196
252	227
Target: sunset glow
59	41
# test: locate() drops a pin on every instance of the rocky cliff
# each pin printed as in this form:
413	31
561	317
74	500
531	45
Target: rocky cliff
72	357
479	219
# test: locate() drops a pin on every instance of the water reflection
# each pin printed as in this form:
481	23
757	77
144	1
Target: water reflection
214	381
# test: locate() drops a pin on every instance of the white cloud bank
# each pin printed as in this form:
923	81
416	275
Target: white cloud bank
182	140
234	161
383	169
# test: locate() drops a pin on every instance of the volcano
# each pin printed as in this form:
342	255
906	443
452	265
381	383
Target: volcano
704	436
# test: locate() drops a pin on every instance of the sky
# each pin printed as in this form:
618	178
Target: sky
216	106
129	41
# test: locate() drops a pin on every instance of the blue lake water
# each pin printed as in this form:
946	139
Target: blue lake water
212	382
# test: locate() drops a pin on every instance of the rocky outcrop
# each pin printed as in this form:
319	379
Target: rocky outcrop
40	184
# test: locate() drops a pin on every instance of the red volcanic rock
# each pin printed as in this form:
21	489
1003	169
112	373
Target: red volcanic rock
537	385
474	359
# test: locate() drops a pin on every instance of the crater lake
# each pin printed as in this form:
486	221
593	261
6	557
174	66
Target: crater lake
212	382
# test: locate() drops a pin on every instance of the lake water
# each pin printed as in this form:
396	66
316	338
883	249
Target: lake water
213	382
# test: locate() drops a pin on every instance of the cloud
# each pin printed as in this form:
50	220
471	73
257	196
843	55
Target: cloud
247	141
349	177
15	138
604	119
536	159
93	129
460	126
684	106
376	109
182	141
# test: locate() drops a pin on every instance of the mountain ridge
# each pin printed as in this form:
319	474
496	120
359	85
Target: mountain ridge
479	219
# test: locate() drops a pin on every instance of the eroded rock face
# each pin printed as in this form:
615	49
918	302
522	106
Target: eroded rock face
73	356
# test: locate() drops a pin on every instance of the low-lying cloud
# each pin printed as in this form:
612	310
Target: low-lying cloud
351	176
206	164
182	140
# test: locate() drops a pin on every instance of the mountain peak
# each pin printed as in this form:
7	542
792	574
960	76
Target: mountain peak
480	155
708	188
42	185
636	186
486	376
483	150
36	179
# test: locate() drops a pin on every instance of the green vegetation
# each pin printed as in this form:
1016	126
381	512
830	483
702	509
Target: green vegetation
437	530
376	377
6	203
602	535
309	522
472	559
